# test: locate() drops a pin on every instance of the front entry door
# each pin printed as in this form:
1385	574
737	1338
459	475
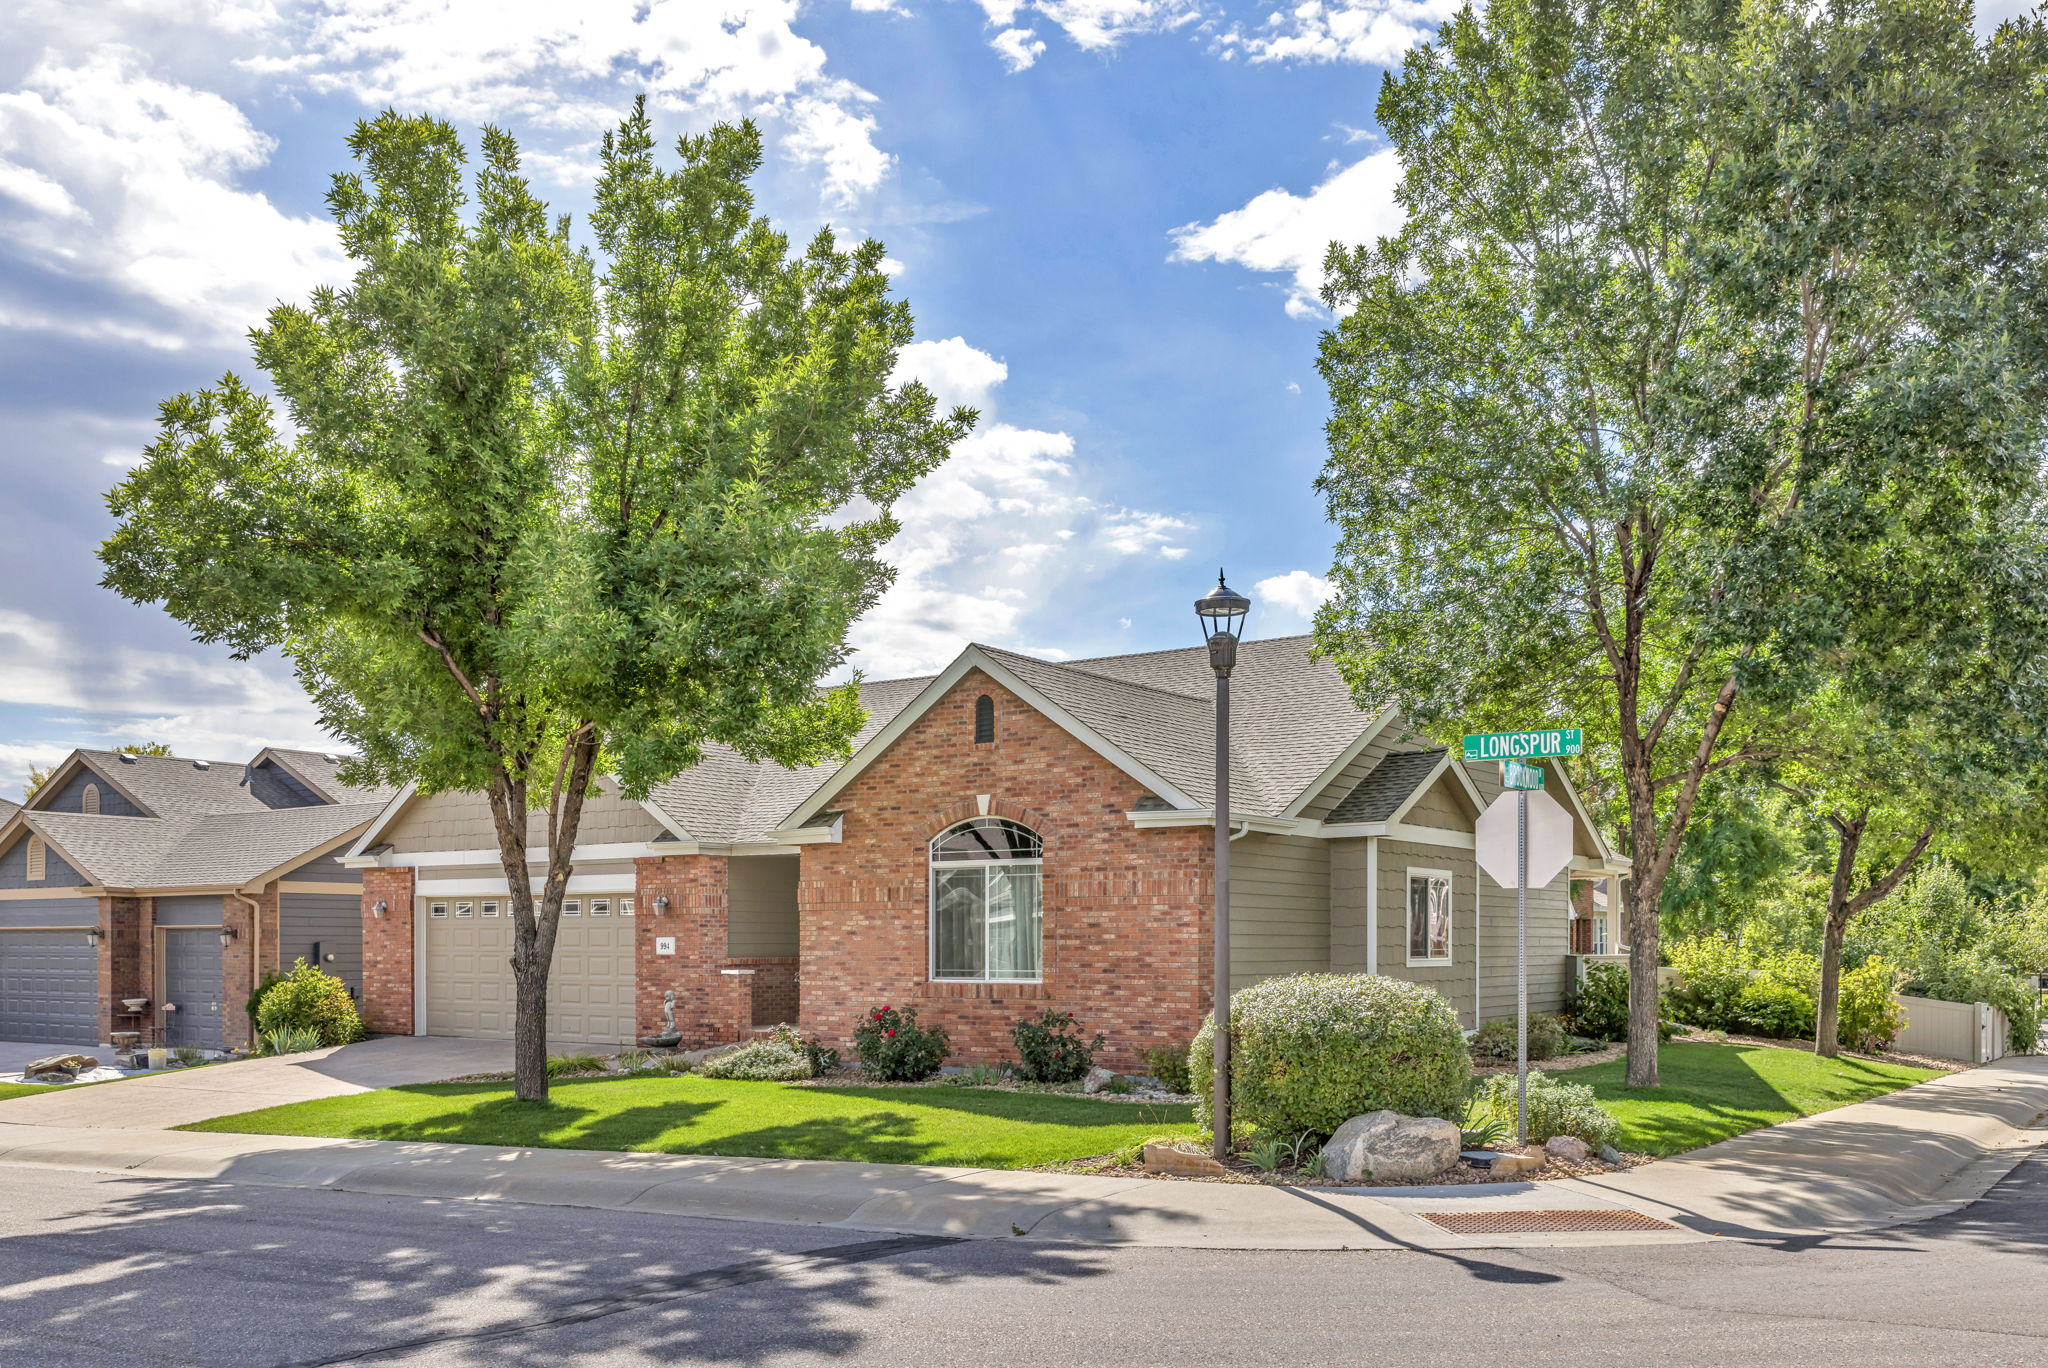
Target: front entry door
192	981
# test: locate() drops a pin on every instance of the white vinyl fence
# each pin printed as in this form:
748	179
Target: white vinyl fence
1970	1032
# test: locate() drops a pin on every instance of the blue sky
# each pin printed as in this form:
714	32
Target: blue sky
1108	216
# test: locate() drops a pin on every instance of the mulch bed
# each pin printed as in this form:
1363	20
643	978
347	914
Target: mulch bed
1107	1166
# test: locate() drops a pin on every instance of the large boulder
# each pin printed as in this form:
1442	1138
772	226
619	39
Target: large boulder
63	1063
1385	1146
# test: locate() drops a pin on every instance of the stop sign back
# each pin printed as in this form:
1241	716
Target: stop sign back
1550	838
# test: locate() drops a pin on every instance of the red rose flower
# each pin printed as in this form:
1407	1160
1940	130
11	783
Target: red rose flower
891	1031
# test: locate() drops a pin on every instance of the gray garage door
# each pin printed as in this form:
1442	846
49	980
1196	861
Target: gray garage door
49	987
192	980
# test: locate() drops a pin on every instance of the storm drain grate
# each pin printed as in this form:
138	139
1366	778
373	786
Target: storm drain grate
1541	1222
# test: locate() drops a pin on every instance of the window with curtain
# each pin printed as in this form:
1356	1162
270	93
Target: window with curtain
987	922
1429	916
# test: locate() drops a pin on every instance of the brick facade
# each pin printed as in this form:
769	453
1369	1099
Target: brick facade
775	991
1126	912
713	1006
121	967
388	951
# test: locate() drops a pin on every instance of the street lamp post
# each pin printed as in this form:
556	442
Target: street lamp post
1222	613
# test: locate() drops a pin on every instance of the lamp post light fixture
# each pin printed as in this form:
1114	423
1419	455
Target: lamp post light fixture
1222	612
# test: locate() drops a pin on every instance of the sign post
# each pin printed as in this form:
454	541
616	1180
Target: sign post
1514	750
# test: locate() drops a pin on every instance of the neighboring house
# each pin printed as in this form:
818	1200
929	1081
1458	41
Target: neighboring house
179	881
1011	835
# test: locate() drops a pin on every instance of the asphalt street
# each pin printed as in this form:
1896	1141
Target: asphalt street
103	1270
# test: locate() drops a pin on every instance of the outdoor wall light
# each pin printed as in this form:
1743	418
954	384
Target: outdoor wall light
379	908
92	937
661	906
227	936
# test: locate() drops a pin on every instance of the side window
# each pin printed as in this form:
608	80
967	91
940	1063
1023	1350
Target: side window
1429	916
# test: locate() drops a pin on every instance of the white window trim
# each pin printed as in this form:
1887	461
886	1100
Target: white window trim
1408	919
931	904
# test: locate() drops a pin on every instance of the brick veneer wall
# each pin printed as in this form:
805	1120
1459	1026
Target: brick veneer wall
712	1007
237	976
775	992
1126	912
388	952
120	960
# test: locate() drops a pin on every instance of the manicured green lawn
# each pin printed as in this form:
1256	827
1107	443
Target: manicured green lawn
8	1090
1711	1092
975	1128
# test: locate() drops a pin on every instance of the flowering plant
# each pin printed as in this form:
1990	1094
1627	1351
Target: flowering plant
1052	1048
893	1048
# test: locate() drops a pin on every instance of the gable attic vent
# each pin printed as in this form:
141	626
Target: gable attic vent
35	858
89	801
984	720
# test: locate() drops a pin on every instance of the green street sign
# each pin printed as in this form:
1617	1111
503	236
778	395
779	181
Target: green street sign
1528	745
1520	774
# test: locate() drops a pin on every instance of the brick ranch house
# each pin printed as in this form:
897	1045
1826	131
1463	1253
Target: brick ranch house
176	882
1010	835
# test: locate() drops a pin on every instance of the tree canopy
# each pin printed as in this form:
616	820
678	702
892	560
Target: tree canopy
1707	366
541	512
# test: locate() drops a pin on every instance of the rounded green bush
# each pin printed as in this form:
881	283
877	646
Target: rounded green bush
1311	1051
306	998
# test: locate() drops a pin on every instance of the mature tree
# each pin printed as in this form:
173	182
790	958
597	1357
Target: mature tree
544	514
1699	313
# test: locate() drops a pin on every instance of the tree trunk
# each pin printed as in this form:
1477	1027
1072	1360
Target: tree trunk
1643	1038
1827	1019
530	1027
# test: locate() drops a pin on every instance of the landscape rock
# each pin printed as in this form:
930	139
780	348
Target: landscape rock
1097	1080
1181	1163
1514	1162
50	1076
1385	1146
63	1063
1569	1148
1609	1154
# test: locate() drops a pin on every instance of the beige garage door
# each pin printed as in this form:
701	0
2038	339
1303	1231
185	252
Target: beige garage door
469	971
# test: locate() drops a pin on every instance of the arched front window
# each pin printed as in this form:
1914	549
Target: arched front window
986	916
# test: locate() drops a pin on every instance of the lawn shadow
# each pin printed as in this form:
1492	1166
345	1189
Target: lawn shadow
1057	1109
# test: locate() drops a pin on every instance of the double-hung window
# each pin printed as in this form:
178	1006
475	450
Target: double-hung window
987	921
1429	916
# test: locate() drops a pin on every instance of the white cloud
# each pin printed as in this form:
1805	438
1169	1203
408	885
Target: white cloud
570	68
1371	32
1018	47
1010	523
1297	592
953	369
1280	231
109	174
102	692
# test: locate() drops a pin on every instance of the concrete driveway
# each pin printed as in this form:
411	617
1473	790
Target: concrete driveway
182	1096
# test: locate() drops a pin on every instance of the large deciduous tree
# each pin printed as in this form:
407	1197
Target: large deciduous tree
1713	338
544	513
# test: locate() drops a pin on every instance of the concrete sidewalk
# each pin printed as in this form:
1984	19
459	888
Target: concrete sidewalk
1877	1163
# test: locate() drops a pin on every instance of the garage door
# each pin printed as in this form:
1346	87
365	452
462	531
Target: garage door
192	980
469	971
49	987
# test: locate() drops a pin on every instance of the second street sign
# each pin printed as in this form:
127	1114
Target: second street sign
1527	745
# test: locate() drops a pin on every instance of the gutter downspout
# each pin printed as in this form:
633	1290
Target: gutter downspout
255	942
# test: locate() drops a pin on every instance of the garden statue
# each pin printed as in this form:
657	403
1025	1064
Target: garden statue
670	1036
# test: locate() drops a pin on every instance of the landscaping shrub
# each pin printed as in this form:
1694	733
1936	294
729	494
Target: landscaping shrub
1776	1011
270	978
1597	1007
1712	974
1168	1064
1973	976
1052	1050
1867	1015
1555	1108
1495	1039
893	1048
567	1065
777	1059
821	1058
1310	1051
290	1040
308	998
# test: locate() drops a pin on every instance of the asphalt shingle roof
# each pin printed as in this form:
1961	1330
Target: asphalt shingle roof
172	786
1292	717
196	850
323	770
1380	794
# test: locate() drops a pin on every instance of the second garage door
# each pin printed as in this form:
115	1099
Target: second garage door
49	987
469	972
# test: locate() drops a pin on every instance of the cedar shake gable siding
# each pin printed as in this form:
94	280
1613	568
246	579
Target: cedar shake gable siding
1126	911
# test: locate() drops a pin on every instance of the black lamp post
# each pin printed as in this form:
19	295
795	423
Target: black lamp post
1222	612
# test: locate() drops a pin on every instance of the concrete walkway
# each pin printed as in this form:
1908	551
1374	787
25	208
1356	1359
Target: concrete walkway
1902	1157
181	1096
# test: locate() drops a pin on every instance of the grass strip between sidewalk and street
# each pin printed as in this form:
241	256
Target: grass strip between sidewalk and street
944	1125
1709	1092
